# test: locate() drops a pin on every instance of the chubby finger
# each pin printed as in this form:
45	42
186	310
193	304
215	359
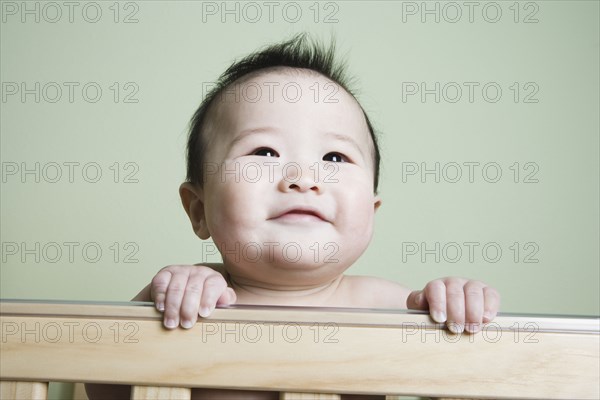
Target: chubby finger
474	302
174	298
455	306
191	300
214	286
417	301
227	297
158	288
491	303
435	292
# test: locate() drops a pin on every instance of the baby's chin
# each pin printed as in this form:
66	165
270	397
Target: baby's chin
285	271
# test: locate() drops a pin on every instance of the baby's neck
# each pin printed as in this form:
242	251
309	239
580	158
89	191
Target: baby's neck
253	292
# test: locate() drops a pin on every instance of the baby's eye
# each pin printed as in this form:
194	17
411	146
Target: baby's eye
335	157
265	151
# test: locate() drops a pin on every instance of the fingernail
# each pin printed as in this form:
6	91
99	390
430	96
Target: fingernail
472	328
487	316
186	324
455	328
160	307
204	312
170	323
438	316
419	298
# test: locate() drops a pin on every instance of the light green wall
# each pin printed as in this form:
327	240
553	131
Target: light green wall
170	52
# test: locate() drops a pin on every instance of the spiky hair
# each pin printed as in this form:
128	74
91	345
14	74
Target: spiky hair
297	53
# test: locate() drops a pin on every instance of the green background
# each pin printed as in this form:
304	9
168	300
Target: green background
167	53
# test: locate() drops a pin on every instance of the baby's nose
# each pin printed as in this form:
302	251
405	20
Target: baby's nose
300	179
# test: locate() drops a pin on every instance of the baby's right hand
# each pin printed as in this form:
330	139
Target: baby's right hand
185	291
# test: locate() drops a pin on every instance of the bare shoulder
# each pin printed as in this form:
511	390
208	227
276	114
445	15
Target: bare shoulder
372	292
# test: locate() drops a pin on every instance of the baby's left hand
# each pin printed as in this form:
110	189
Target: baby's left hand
460	303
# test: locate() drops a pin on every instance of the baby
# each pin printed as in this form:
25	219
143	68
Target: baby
283	167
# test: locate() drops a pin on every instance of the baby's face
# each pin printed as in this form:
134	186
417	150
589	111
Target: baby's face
288	194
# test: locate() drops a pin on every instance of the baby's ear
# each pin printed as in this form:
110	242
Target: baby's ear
376	202
192	199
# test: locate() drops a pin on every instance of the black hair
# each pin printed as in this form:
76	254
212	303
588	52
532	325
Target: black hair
297	53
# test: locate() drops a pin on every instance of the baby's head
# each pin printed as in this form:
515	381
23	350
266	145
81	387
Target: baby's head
283	168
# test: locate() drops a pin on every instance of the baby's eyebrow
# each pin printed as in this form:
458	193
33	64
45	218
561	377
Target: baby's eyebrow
347	139
253	131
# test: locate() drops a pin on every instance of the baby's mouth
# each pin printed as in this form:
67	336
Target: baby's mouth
300	215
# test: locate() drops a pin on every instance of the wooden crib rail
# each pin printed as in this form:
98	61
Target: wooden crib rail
294	349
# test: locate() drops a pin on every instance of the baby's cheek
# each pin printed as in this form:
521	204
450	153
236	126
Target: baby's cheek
236	210
356	224
354	192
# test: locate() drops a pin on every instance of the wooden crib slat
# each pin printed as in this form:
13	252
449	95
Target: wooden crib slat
79	392
160	393
12	390
308	396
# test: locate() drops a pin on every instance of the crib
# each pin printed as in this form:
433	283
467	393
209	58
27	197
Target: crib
301	352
